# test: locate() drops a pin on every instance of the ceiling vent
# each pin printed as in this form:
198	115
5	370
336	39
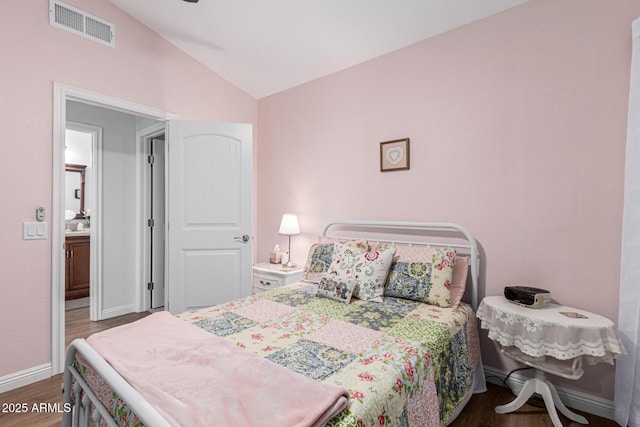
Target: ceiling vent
79	22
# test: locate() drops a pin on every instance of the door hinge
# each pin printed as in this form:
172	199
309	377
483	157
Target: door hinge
150	286
151	159
151	222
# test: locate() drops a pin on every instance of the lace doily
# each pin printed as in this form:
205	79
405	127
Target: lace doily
547	332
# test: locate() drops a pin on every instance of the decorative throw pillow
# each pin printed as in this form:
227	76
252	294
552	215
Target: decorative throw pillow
422	274
320	257
370	273
363	244
337	283
352	270
377	246
459	279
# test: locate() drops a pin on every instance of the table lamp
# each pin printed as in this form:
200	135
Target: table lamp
289	227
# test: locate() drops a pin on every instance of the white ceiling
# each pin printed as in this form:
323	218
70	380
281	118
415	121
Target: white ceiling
266	46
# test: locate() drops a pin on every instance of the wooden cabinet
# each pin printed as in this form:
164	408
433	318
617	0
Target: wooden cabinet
77	266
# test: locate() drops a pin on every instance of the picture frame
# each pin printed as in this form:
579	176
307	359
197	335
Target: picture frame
394	155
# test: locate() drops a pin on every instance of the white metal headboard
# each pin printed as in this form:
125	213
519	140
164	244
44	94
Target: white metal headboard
389	227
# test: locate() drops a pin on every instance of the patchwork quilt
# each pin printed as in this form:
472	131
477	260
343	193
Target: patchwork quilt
404	363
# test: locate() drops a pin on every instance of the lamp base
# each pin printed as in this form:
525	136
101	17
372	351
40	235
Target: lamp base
289	265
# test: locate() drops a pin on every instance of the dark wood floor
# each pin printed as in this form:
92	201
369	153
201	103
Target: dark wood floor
78	324
50	390
478	413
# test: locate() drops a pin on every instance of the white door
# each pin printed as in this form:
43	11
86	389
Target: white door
209	214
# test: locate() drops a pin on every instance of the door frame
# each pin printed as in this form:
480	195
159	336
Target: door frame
95	191
61	94
143	136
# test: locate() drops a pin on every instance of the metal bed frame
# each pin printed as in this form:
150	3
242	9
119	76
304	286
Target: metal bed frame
78	394
446	229
88	410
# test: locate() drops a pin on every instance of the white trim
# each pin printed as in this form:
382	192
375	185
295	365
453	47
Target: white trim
95	192
571	398
25	377
57	231
105	101
61	94
118	311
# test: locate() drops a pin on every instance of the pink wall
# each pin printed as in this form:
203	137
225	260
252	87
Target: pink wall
517	127
142	68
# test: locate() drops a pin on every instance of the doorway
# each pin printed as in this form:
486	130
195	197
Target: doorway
117	268
81	141
153	204
156	201
209	199
103	216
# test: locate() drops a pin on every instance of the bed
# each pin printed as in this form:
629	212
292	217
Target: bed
358	342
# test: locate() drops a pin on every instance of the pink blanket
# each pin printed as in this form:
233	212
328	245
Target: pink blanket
194	378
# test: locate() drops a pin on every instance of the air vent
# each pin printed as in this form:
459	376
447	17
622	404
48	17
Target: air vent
79	22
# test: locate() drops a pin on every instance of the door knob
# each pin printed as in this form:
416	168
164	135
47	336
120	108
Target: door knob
244	238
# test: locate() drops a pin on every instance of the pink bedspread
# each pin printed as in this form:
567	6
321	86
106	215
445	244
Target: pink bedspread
194	378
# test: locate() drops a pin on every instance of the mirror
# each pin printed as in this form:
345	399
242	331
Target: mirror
74	198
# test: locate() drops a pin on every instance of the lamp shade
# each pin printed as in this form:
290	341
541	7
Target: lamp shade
289	225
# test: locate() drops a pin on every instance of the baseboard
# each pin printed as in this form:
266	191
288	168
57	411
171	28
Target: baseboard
26	377
573	399
118	311
73	304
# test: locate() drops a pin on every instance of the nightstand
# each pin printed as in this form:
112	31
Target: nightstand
554	339
268	276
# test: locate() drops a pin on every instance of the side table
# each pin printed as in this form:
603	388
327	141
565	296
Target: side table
268	276
554	339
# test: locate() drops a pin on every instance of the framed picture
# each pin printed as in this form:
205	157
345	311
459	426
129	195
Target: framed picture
394	155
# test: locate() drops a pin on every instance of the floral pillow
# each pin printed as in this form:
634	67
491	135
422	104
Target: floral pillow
422	274
352	270
337	282
371	270
321	255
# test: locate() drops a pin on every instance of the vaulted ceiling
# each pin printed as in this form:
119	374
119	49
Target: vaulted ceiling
266	46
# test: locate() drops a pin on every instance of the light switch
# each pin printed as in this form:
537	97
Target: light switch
34	230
